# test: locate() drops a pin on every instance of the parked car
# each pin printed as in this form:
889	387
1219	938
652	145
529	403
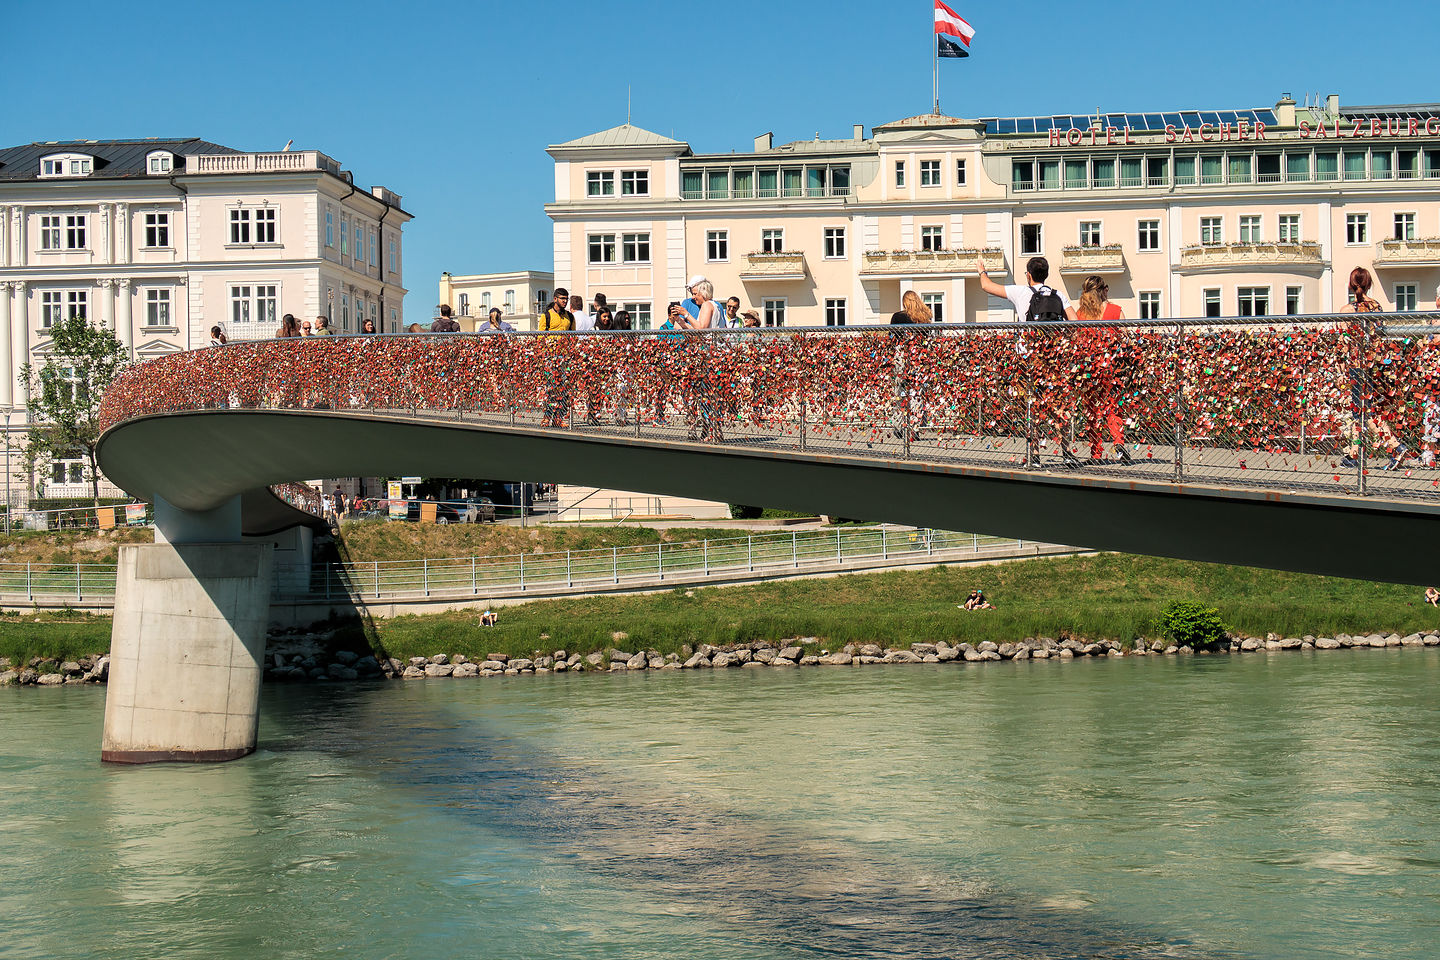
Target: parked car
470	510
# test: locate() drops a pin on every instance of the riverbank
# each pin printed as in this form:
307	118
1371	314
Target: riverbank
1111	598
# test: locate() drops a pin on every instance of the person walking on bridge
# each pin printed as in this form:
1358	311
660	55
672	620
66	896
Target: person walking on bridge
557	393
1035	302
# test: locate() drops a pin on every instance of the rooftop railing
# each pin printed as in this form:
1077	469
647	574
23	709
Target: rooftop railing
1335	404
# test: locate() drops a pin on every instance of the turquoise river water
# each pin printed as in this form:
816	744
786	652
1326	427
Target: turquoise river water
1277	806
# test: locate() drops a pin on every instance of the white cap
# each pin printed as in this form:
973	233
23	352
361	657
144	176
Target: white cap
698	278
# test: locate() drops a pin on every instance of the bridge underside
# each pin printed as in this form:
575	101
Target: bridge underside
198	460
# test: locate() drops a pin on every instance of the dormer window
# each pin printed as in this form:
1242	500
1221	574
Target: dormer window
67	165
160	162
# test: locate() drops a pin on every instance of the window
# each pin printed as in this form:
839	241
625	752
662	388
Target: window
157	308
639	315
636	247
394	255
1297	167
1032	239
49	233
1149	304
1381	165
1294	305
1239	168
52	168
744	183
717	184
1253	301
1354	164
1212	231
1050	174
1022	175
1184	171
1327	165
839	181
635	183
75	231
932	238
1149	231
160	162
509	301
815	178
1289	228
66	166
394	320
773	312
959	173
1250	228
1404	226
1406	296
1104	172
899	174
692	184
464	306
240	226
602	248
929	173
1089	233
936	303
834	243
240	304
835	311
67	471
157	230
599	183
52	308
717	246
1357	228
1077	176
344	311
772	240
374	250
77	303
485	301
359	251
1157	171
329	228
1212	302
344	237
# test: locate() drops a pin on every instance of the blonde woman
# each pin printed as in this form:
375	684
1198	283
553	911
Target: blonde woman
1099	390
912	310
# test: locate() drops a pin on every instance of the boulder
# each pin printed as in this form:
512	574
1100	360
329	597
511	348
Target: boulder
765	655
924	648
1272	644
367	665
753	664
440	659
791	652
637	662
871	650
1413	640
1007	650
561	666
809	660
838	659
1250	644
29	675
1432	641
930	658
902	656
51	679
1327	643
1290	643
594	659
412	671
946	654
972	655
466	670
495	665
439	670
697	661
5	663
1114	653
503	657
989	647
1039	653
864	660
722	659
341	672
346	657
521	664
418	661
8	677
743	655
71	669
1375	640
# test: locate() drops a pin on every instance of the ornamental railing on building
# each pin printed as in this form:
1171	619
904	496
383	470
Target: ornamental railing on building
282	162
1335	404
955	263
1109	258
789	265
1408	253
1202	256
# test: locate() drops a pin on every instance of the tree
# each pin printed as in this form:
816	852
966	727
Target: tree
65	394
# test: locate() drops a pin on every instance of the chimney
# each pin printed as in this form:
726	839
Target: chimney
764	142
859	131
1285	111
1332	104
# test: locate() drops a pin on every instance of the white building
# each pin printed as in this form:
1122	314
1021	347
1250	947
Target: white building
521	295
160	240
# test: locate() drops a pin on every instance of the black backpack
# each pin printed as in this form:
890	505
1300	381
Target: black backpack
1045	305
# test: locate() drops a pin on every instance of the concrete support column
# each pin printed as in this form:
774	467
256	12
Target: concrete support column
188	641
122	233
107	303
124	327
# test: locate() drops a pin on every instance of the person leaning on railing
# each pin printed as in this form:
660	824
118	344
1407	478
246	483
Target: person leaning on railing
1364	369
1099	390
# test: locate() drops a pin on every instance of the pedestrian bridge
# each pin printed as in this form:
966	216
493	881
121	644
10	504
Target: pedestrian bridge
1259	442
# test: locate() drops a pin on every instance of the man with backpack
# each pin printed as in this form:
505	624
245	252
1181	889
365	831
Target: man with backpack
1035	302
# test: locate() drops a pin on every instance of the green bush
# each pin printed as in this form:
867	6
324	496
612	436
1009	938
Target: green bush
741	512
1192	624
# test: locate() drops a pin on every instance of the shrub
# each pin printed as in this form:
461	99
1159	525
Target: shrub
741	512
1190	623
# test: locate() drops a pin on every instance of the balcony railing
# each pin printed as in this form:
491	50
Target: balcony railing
1109	258
960	263
787	265
282	162
1408	253
1224	255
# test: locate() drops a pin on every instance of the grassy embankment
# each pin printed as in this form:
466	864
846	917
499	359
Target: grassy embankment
1110	597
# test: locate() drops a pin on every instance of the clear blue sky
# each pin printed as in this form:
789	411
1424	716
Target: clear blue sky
453	105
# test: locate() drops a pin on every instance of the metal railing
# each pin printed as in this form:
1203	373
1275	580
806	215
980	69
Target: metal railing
644	565
652	564
1336	404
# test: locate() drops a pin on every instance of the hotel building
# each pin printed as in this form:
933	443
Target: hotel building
160	240
1186	214
521	295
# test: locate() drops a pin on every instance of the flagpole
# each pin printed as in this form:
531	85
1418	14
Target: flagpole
935	65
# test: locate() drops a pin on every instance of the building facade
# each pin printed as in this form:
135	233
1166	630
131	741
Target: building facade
159	240
522	295
1186	213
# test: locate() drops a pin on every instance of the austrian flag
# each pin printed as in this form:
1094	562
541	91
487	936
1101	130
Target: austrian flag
949	24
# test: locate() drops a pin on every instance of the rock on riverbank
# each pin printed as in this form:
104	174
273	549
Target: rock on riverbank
305	658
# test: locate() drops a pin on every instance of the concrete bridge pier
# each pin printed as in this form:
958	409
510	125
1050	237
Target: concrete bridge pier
188	640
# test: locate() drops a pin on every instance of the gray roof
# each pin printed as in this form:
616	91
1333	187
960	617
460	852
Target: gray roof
624	135
113	158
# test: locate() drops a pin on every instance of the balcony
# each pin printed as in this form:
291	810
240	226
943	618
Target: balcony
930	263
1408	253
789	265
1230	256
284	162
1109	258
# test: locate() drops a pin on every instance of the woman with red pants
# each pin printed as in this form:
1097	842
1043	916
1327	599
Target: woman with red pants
1102	413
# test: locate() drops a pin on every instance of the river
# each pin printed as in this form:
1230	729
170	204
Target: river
1266	806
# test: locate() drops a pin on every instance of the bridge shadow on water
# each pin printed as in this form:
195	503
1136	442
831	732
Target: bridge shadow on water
772	886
